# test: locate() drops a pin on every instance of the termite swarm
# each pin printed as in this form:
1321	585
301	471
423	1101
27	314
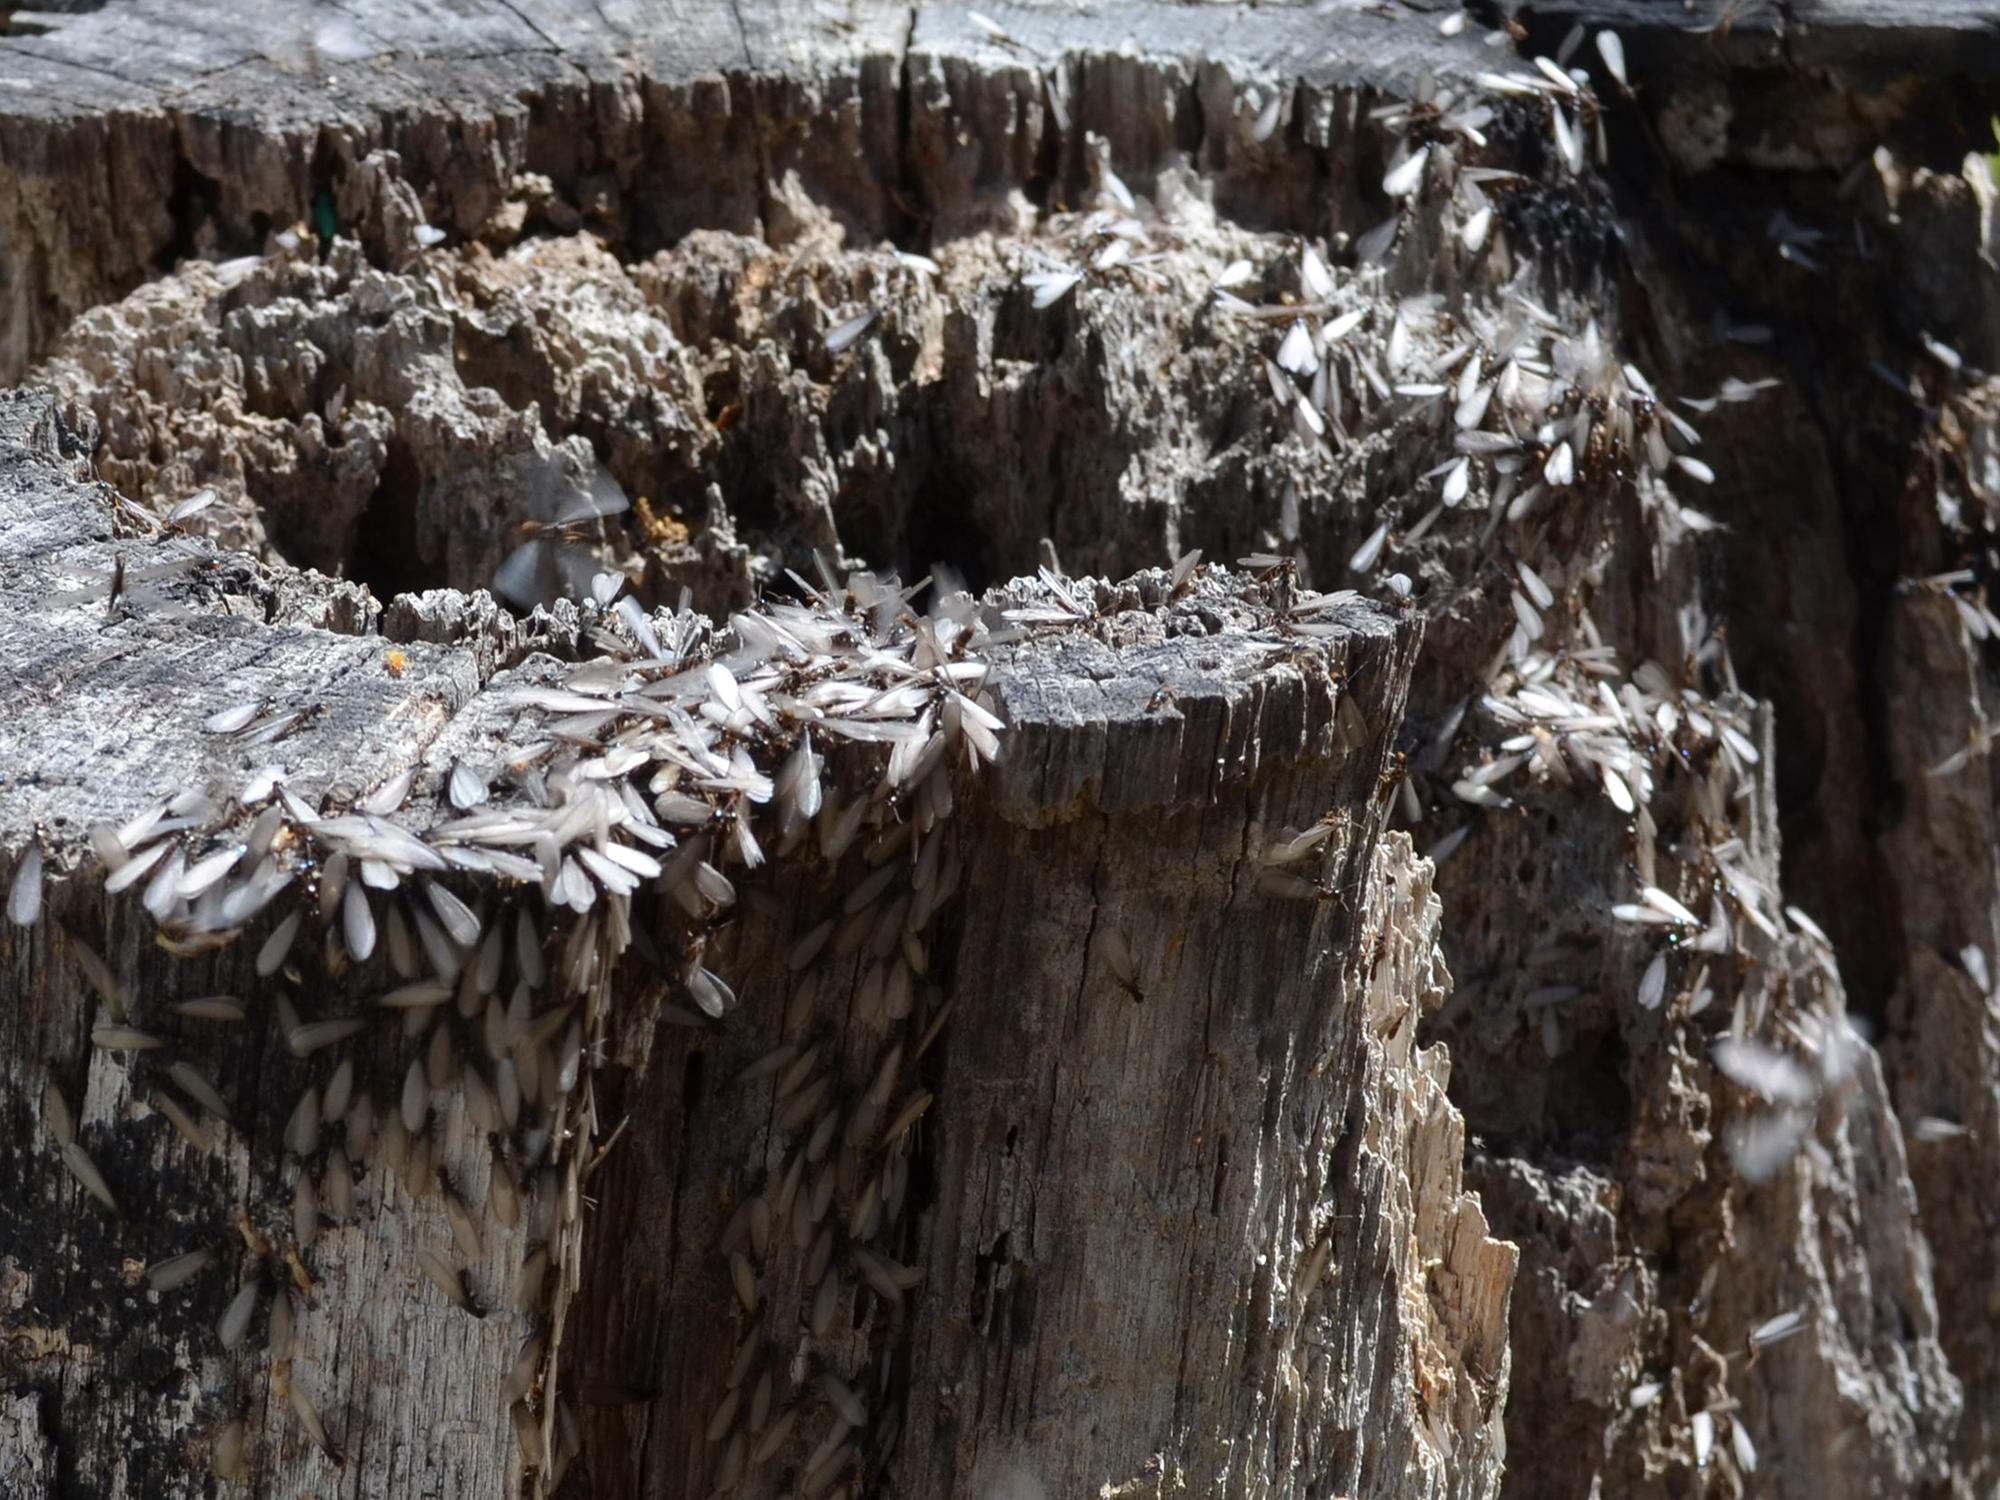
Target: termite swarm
840	727
679	753
1532	421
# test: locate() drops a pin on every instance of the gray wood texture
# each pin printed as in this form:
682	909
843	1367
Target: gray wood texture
137	133
1209	1238
1145	774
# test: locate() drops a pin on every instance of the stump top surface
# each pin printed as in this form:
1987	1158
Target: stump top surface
110	706
294	63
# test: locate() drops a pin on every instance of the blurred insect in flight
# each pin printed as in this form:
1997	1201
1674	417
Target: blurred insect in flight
550	563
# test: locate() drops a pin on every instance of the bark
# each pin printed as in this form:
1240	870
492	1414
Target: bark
1196	1228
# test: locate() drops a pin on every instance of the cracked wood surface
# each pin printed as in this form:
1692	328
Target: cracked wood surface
135	133
1600	1153
1085	1225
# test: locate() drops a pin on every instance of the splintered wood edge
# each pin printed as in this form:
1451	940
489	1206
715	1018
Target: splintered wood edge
109	708
288	66
1174	722
282	66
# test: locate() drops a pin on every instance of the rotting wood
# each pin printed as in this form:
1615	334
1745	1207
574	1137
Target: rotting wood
1254	724
1604	1125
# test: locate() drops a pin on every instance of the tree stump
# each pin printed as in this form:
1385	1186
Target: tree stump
963	1171
1134	1167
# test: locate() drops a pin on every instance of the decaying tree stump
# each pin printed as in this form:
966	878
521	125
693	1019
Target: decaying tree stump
1075	1123
1257	1019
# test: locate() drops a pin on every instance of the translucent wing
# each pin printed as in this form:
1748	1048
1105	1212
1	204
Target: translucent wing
605	497
527	576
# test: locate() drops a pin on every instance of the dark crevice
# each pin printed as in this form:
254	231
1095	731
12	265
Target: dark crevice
325	173
1865	923
192	203
1191	124
1589	1101
1054	159
385	556
987	1264
910	219
944	532
694	1080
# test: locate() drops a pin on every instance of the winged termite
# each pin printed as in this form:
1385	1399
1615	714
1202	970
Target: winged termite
123	584
1728	14
309	1418
186	510
235	1320
842	335
230	1443
548	563
1404	178
1611	48
24	897
843	1399
86	1172
1370	551
1051	284
1774	1330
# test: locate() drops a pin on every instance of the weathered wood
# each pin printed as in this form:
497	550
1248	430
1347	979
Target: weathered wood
1256	1035
109	709
138	132
262	155
652	219
1136	1274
